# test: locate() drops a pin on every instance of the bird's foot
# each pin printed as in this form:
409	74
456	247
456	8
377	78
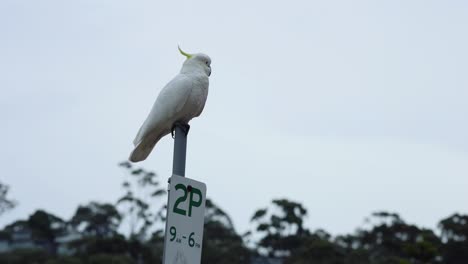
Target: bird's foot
185	128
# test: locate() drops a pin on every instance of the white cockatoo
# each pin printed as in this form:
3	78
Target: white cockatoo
182	99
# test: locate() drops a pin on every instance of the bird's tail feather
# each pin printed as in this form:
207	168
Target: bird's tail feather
138	136
144	148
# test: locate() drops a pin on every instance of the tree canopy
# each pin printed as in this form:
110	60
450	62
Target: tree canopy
5	202
278	234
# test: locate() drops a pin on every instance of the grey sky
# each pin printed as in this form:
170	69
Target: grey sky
346	106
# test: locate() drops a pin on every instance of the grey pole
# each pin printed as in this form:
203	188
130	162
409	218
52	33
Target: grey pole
178	163
180	149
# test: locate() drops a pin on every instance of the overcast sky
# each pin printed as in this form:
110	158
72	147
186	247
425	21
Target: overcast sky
345	106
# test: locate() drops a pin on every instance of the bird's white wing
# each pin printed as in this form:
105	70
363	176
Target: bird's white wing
171	100
167	108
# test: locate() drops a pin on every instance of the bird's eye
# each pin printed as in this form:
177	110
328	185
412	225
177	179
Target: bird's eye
207	63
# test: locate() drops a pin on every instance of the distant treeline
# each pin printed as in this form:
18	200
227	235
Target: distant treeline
278	234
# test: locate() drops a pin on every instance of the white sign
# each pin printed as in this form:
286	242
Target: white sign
185	220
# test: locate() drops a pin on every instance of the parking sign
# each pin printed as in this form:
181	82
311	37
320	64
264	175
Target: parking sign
185	220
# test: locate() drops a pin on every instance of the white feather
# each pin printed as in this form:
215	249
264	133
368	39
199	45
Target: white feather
182	99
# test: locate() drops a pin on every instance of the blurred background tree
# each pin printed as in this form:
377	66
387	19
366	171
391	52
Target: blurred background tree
391	240
221	243
141	191
97	219
5	203
94	234
454	231
280	228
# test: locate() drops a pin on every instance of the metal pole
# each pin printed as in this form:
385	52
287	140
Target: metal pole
178	163
180	149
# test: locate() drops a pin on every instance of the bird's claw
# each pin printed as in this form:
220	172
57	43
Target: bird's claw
185	128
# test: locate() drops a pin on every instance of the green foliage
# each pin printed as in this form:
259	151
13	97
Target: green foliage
97	219
24	256
259	214
5	203
455	234
221	243
141	190
283	231
317	248
455	228
279	234
112	259
17	225
156	246
41	226
64	260
46	226
391	240
95	245
114	246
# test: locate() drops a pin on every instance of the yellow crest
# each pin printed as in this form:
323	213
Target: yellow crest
185	53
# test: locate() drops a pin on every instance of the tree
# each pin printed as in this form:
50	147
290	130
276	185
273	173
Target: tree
391	240
284	236
42	228
5	203
221	243
156	245
45	228
64	260
318	248
141	190
106	259
96	219
283	230
24	256
455	235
